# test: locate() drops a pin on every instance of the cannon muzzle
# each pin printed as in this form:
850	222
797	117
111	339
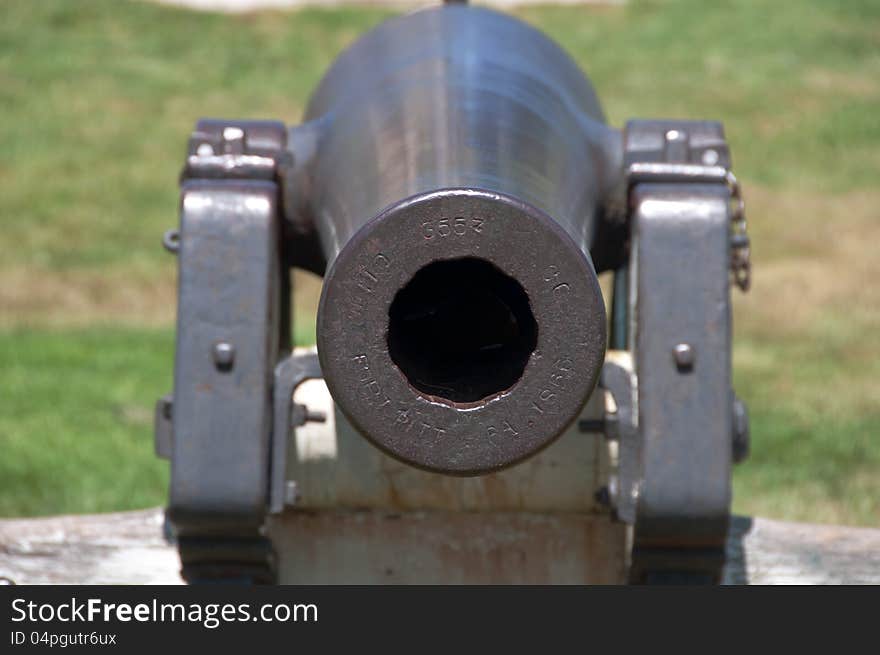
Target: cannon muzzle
462	161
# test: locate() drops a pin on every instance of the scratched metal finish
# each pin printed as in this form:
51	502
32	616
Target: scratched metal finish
458	96
447	134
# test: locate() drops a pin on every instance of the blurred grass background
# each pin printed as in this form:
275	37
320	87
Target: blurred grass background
97	98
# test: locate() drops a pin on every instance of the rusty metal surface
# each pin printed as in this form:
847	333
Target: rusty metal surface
447	548
128	548
333	467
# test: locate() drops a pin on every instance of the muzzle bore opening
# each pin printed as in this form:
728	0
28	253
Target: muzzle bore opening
461	330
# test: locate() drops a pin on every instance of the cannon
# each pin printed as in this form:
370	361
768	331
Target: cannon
455	183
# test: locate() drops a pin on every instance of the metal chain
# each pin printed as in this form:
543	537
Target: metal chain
740	247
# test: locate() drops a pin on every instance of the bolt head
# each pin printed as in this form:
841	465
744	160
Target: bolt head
233	133
224	355
741	436
291	492
613	487
684	356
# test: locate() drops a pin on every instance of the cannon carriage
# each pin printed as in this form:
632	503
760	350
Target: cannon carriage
456	185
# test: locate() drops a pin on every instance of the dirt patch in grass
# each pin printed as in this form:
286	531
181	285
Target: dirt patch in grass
814	258
78	298
72	298
814	255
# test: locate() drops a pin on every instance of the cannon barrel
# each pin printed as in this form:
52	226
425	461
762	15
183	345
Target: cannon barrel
461	165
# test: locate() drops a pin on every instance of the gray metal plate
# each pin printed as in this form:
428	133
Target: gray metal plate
229	282
682	285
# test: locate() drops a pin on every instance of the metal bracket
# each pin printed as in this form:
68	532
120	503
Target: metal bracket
163	426
690	152
289	374
226	349
621	425
221	149
230	335
674	410
682	359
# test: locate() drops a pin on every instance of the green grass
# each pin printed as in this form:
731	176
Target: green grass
77	419
815	422
97	97
796	82
76	428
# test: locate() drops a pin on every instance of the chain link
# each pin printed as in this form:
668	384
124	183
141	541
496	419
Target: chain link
740	247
